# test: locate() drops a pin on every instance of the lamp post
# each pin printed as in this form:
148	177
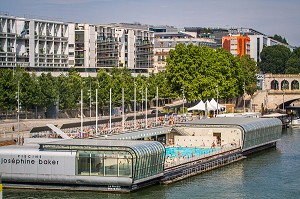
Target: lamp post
134	105
146	123
123	111
96	112
18	98
244	97
183	96
81	113
110	100
217	99
156	116
90	95
283	89
142	99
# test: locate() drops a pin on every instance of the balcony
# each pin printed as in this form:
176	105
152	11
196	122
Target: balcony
22	55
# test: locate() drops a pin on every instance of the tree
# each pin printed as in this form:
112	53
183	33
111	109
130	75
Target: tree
28	91
249	70
66	95
76	83
274	59
293	64
104	82
121	78
8	89
200	69
280	39
49	91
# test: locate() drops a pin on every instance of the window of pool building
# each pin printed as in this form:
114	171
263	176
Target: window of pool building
104	163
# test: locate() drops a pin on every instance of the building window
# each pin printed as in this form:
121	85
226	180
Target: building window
104	163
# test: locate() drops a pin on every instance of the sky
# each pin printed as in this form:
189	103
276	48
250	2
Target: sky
281	17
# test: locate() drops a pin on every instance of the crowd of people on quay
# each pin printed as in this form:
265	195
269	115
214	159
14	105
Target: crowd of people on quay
116	127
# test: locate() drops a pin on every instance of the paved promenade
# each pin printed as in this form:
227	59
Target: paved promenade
9	128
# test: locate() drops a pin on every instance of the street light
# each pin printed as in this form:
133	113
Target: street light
244	97
283	89
18	98
134	105
90	96
156	116
142	99
183	96
217	99
146	124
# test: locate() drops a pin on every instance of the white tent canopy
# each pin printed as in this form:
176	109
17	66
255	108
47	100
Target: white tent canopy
199	107
209	106
216	105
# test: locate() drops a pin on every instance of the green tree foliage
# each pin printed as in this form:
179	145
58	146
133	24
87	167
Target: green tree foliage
49	91
200	69
27	91
280	39
104	82
274	59
8	89
249	70
121	78
293	64
67	98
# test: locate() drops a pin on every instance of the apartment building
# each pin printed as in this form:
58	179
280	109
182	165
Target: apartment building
236	44
209	33
83	48
34	44
135	47
107	47
166	41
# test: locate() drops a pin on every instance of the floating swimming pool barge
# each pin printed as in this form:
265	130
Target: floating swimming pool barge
200	165
128	165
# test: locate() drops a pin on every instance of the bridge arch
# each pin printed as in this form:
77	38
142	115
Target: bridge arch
278	89
285	85
274	85
288	102
295	85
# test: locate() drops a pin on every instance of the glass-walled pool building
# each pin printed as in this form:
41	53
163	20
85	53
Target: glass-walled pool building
248	133
121	165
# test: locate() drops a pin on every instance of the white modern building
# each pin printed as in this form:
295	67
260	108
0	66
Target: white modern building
34	44
83	48
52	46
136	47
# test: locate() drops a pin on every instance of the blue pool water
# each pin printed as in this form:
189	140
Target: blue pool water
188	152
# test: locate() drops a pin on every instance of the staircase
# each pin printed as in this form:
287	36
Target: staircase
259	98
180	131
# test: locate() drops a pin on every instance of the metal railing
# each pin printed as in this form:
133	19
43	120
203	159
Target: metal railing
180	161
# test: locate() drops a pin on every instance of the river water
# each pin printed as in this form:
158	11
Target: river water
274	173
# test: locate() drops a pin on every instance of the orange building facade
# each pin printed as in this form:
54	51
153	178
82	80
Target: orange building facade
236	45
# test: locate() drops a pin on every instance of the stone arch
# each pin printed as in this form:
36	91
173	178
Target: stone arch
274	85
285	85
295	85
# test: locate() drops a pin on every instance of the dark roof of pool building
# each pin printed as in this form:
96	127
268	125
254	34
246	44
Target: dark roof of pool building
139	133
247	124
94	144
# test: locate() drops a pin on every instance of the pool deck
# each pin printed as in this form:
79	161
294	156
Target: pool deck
193	166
